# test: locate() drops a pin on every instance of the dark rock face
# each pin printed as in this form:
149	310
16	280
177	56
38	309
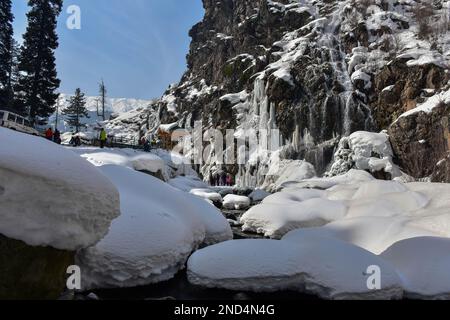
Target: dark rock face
421	140
407	89
319	100
32	273
441	173
237	40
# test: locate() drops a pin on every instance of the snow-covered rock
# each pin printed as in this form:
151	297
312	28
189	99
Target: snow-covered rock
365	151
284	171
355	208
137	160
329	268
423	264
51	197
276	219
207	194
258	195
235	202
150	242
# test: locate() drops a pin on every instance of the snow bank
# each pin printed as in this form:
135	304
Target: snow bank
328	268
355	208
51	197
187	183
424	266
283	171
140	161
374	234
197	187
158	229
276	219
234	202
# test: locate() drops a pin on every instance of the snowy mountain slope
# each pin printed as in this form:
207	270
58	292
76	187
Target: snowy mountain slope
113	107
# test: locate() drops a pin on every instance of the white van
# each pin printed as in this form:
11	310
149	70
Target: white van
15	122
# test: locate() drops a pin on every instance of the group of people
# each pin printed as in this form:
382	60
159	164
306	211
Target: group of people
221	179
54	136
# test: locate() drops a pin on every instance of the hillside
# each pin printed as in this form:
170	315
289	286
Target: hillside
319	71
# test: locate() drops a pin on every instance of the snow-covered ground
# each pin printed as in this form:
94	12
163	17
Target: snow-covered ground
49	196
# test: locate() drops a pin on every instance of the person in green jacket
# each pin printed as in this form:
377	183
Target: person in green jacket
103	137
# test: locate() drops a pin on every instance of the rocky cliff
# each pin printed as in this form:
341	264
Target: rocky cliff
318	71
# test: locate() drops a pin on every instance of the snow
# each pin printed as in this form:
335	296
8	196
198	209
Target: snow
352	202
325	267
423	264
285	75
51	197
360	75
258	195
331	236
207	194
287	171
234	202
276	219
365	151
430	104
235	98
140	161
151	240
188	183
168	127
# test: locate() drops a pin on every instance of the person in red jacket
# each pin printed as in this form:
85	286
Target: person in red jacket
49	134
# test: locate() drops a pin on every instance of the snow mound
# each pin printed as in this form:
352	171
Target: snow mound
424	266
187	183
351	177
234	202
287	171
150	242
325	267
258	195
276	219
51	197
374	234
207	194
139	161
373	214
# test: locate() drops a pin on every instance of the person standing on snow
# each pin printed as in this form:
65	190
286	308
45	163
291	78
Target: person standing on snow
57	137
103	137
49	134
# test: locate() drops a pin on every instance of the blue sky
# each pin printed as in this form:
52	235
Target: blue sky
138	47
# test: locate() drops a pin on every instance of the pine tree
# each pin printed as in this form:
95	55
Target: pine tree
6	53
102	91
76	110
38	80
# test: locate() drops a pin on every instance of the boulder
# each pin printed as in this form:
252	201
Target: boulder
32	273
